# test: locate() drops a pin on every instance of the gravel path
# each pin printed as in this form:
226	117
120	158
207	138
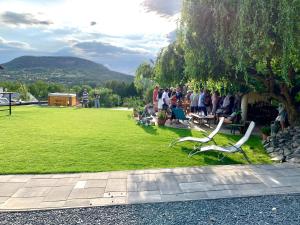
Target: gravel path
278	209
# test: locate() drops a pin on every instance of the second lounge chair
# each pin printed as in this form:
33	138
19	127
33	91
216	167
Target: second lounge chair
199	141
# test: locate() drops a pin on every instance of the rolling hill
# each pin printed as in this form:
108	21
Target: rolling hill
65	70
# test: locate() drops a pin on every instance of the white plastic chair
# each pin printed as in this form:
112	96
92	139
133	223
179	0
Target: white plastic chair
237	147
199	141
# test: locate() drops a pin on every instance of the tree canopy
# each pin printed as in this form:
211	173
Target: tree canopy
249	44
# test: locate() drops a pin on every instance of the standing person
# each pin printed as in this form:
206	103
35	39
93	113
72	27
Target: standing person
173	100
215	102
85	98
155	98
194	98
160	101
166	99
179	95
97	100
207	101
201	103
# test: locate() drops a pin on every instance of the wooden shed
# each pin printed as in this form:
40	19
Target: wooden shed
61	99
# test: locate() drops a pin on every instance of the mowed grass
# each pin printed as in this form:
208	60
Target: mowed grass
56	140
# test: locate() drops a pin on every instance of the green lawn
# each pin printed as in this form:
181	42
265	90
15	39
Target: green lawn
54	140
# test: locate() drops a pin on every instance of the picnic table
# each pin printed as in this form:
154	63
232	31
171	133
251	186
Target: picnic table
203	119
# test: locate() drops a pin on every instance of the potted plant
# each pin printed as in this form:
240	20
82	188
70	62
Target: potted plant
266	131
161	118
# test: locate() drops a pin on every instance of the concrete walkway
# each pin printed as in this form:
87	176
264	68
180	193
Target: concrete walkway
27	192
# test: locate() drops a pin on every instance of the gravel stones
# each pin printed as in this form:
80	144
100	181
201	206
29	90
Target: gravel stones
278	209
285	145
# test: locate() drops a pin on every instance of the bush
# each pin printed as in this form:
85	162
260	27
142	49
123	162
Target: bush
107	98
132	102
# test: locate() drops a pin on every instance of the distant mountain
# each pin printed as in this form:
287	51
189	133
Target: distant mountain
66	70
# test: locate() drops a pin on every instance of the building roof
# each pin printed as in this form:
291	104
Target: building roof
62	94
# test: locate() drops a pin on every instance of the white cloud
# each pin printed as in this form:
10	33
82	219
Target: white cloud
14	44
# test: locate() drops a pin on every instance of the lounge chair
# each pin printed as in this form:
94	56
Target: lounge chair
179	114
237	147
199	141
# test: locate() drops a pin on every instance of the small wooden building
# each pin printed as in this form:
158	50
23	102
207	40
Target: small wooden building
61	99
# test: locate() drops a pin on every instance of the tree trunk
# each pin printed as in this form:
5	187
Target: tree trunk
293	115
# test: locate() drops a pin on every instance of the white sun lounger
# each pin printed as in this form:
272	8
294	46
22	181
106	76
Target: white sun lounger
199	141
237	147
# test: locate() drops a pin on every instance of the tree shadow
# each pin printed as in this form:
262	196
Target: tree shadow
211	158
149	129
181	132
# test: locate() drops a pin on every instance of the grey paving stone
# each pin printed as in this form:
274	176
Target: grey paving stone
5	178
141	177
20	178
96	176
121	174
8	189
273	181
114	194
173	198
195	195
22	203
217	179
116	185
190	178
39	182
147	186
58	193
248	186
222	194
195	186
132	186
51	205
109	201
191	171
67	175
3	199
31	192
167	184
144	196
86	193
77	203
290	172
96	183
67	181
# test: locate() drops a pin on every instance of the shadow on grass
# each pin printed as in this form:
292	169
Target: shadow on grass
149	129
181	132
211	158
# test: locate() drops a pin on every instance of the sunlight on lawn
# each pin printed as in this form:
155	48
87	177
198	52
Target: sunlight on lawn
53	140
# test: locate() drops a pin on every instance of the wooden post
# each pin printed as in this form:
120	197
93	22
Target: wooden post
9	102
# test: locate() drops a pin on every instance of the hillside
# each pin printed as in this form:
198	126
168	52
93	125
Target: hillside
66	70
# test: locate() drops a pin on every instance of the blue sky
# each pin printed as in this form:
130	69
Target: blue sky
117	33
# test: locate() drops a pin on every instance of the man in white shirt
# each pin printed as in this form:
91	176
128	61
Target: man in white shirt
194	98
166	99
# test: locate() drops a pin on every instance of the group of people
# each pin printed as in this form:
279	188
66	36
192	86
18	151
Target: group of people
202	102
85	99
206	103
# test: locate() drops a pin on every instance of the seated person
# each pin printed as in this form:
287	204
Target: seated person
280	121
234	117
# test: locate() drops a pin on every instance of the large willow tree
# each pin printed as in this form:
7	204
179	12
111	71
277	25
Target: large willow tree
169	65
245	41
